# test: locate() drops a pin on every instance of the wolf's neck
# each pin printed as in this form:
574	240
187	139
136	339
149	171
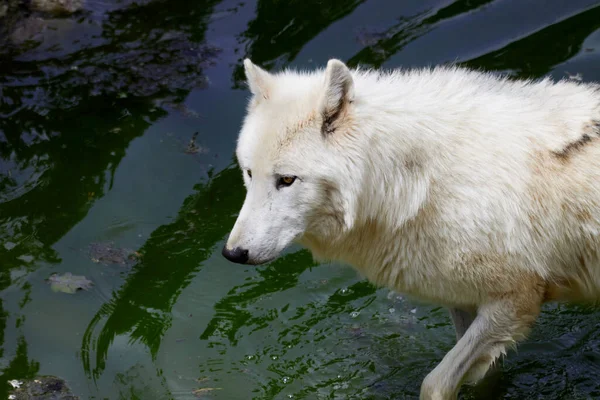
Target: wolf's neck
397	171
403	150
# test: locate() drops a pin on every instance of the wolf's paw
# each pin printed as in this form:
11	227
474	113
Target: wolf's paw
433	388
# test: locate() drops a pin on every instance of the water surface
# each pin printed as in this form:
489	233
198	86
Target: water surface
97	111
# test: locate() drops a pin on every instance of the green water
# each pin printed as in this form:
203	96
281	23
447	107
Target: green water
96	112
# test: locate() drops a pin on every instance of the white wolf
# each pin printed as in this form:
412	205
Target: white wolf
461	188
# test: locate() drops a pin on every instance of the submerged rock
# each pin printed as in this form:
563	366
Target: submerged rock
28	29
42	388
18	24
69	283
106	253
57	7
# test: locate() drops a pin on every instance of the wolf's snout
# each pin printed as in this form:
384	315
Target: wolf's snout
236	255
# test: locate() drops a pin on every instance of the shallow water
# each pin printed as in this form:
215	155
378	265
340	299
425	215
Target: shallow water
96	114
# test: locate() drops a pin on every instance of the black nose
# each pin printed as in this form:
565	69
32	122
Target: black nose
237	255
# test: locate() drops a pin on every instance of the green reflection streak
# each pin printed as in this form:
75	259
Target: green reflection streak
282	28
337	304
536	54
172	256
408	30
231	312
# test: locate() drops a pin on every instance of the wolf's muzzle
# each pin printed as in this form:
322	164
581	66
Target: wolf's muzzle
236	255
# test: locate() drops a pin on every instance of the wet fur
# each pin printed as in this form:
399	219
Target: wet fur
458	187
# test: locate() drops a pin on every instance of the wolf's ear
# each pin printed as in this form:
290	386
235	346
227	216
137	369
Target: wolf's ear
258	79
339	92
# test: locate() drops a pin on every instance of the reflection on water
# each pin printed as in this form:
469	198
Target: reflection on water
94	120
548	47
382	45
142	308
281	29
67	120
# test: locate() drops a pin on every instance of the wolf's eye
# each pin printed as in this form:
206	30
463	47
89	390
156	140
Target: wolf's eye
249	172
286	180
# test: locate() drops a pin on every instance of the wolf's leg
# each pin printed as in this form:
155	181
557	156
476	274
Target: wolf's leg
497	325
461	319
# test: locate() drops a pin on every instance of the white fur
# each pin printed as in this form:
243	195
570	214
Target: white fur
455	186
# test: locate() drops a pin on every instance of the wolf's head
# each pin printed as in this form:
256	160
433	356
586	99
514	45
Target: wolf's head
289	149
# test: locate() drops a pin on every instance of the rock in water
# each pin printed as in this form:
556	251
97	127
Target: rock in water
106	253
43	388
57	7
69	283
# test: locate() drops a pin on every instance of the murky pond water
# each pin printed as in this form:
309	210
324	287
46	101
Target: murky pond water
117	131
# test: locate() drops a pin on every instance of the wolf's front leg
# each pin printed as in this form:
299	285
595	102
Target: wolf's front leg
497	325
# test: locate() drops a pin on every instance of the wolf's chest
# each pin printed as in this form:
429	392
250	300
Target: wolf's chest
423	272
